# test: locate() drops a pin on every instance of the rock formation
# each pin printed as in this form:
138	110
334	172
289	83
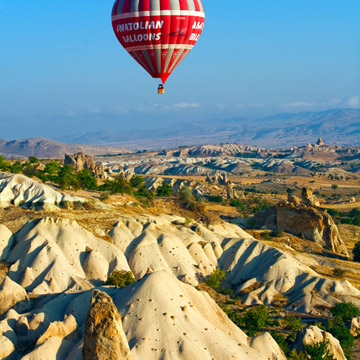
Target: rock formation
20	190
104	335
312	335
81	161
308	198
355	326
320	142
12	294
303	218
218	178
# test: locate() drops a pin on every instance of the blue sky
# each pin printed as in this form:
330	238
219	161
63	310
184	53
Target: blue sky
63	71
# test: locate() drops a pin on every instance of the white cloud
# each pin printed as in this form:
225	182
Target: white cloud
299	104
353	101
185	105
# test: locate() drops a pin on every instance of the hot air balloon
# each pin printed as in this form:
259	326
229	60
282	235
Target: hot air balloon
158	34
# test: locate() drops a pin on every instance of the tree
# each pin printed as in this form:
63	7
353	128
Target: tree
86	179
137	181
33	160
215	279
185	193
164	190
29	170
52	168
345	311
120	278
318	351
334	187
256	318
67	178
338	329
118	186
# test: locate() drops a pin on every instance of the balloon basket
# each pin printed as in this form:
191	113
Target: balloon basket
161	89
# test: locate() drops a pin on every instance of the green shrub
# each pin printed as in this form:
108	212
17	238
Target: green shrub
52	168
118	186
294	355
216	199
293	323
145	193
137	181
215	279
356	252
86	180
164	190
16	167
33	160
265	236
339	272
282	341
318	351
343	334
345	311
256	318
120	278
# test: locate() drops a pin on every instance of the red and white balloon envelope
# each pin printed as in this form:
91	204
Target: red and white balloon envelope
158	34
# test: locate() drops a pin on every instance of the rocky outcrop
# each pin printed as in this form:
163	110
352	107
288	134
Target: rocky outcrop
6	241
308	198
219	179
12	294
59	329
355	326
267	346
303	218
312	335
104	335
320	142
22	191
81	161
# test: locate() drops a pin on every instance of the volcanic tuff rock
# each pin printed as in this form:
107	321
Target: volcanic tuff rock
218	178
12	294
355	326
58	261
313	335
21	190
104	335
304	218
308	198
160	315
81	161
6	241
192	253
57	255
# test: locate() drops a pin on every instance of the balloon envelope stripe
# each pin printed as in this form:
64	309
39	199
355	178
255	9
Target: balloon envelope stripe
133	14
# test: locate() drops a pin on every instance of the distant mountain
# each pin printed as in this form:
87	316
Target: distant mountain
336	126
44	148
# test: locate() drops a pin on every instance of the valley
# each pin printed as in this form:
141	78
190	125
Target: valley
234	251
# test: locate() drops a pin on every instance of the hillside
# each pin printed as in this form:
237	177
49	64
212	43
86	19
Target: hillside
338	126
44	148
